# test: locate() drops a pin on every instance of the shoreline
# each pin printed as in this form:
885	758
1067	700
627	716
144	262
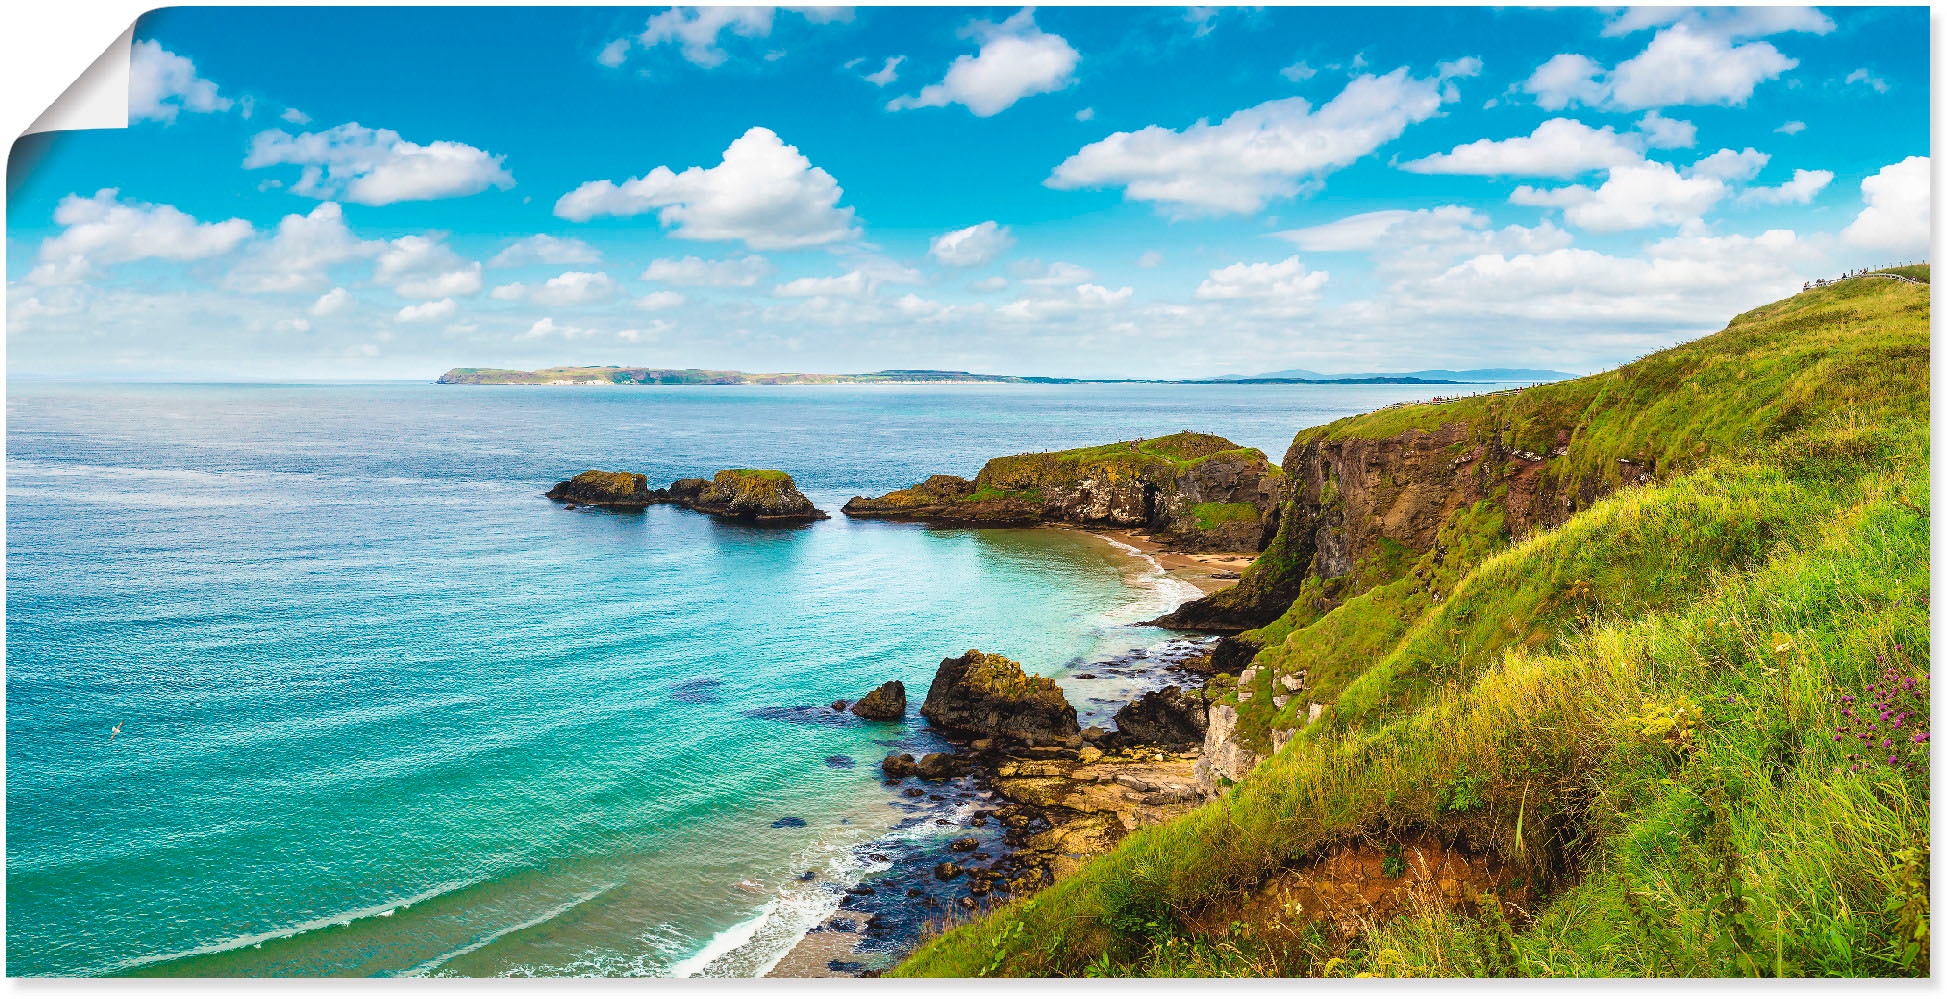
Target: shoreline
1209	572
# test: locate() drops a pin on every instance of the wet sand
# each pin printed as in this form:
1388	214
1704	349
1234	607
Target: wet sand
1206	572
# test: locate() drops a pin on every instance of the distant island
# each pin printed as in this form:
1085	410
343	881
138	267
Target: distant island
614	375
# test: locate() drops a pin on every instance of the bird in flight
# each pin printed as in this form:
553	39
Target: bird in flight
117	730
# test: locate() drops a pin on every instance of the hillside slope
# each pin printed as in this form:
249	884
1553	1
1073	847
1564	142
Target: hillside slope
1611	640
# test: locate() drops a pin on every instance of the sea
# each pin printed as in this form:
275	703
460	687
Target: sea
311	679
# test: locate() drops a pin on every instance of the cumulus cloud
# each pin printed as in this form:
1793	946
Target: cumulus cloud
886	74
1298	72
1634	196
542	248
295	117
425	267
851	284
1426	240
1898	213
1697	57
300	254
695	30
569	288
1862	76
105	230
1666	133
1558	147
1800	190
1259	153
1790	128
1060	274
426	312
695	272
765	193
370	166
656	301
1016	60
162	84
973	246
545	328
993	283
1285	285
332	303
1082	298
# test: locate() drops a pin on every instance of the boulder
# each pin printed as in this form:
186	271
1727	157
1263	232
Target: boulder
598	488
1171	717
750	494
887	703
988	696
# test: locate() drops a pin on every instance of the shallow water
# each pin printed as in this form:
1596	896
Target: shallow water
385	709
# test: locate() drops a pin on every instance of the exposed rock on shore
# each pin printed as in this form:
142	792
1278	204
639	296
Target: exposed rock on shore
886	703
990	697
1197	492
759	494
1171	717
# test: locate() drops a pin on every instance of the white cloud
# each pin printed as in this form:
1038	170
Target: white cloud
376	167
425	267
656	301
1666	133
293	325
614	54
332	302
1791	128
1861	75
295	117
887	74
1731	166
1558	147
426	312
1425	240
1085	114
162	84
695	30
569	288
765	193
1897	216
1259	153
1081	298
1635	196
106	230
1016	60
1285	285
542	248
994	283
300	254
1695	58
1060	274
651	331
546	328
695	272
1298	72
973	246
852	284
1149	258
1800	190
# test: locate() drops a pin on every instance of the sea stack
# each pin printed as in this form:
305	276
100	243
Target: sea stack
758	494
887	703
991	697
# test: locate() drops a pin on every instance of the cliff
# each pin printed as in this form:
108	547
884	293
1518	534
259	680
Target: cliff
1602	640
1199	492
757	494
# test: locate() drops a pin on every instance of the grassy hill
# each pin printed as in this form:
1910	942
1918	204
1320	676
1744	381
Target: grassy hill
1648	715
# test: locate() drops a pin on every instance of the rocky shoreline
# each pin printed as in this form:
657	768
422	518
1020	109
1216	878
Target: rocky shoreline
754	494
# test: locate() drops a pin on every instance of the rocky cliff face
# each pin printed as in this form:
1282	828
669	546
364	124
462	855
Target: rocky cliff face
1198	492
737	493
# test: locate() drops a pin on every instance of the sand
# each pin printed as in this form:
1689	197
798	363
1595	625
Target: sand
1206	572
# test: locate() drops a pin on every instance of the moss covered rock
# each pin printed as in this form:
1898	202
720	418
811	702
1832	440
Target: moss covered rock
1199	491
598	488
886	703
992	697
739	493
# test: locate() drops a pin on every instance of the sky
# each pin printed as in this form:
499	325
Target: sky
345	193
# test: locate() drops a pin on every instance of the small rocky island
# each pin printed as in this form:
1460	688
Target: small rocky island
1195	492
757	494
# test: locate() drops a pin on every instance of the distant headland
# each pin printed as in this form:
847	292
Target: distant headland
613	375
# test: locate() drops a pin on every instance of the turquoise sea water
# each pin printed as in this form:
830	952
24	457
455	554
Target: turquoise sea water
384	709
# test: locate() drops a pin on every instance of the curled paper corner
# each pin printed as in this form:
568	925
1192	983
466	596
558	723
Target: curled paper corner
98	98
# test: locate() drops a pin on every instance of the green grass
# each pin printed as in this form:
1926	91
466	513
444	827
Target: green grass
1637	708
1918	272
1210	516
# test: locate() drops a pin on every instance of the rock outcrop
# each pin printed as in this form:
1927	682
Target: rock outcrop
885	703
758	494
986	696
1171	717
1197	492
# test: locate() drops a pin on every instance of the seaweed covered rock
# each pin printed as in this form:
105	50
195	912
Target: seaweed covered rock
1171	717
886	703
989	696
750	494
598	488
1200	492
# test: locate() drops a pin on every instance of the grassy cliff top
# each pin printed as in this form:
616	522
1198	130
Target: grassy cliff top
1648	711
1154	457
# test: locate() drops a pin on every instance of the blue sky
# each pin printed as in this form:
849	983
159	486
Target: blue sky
1154	192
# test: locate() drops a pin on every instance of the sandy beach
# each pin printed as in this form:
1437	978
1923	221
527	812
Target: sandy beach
1206	572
